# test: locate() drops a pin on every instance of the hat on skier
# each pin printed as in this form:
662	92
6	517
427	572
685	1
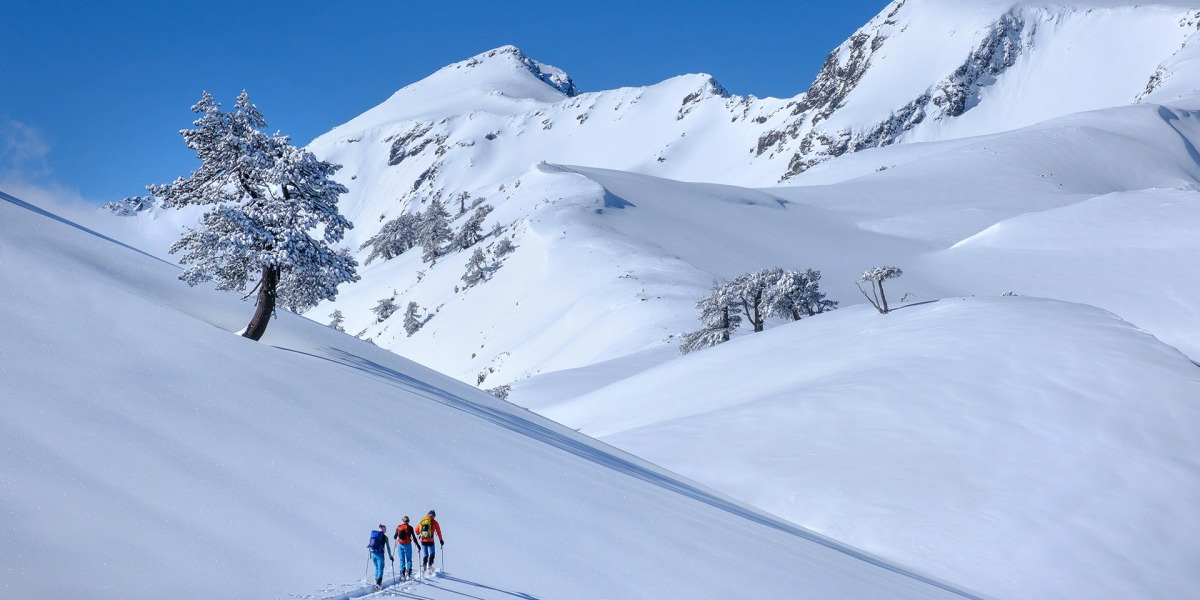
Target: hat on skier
382	527
432	513
405	519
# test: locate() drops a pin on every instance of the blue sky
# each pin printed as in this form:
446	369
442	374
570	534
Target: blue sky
92	102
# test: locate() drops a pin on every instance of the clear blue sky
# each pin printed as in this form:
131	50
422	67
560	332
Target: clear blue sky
93	94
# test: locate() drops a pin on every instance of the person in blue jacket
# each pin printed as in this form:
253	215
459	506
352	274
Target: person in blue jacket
378	545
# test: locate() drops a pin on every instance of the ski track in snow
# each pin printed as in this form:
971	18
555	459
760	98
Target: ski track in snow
444	584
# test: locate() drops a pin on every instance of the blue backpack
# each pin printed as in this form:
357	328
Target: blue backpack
376	543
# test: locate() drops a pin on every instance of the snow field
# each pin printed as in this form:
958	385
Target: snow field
1034	448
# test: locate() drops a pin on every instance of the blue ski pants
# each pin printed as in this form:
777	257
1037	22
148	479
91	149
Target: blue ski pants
405	552
378	558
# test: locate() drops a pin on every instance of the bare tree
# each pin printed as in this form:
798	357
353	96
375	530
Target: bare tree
876	276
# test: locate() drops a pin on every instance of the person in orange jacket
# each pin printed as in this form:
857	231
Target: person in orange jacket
425	531
405	537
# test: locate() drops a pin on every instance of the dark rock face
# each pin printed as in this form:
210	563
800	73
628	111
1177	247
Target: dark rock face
835	81
996	53
710	88
558	81
951	97
410	144
828	92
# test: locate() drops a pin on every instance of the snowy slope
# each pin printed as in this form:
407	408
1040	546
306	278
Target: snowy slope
1033	448
149	452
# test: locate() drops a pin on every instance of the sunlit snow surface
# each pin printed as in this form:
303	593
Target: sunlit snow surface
1033	446
149	452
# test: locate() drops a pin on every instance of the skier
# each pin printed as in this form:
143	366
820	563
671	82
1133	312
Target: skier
425	530
378	544
405	537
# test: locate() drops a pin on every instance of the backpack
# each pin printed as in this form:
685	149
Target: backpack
404	533
376	543
426	531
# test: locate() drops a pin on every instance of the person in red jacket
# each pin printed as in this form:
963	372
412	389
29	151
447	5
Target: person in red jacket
405	537
425	531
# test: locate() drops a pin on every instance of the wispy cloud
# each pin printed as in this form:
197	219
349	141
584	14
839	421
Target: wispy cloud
26	173
24	151
25	169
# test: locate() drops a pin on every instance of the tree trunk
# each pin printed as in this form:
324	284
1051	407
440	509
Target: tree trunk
882	298
267	291
758	318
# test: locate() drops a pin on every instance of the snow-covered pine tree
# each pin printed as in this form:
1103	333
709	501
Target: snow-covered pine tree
412	323
434	230
476	268
394	238
749	293
718	316
876	276
798	294
337	320
385	308
267	197
471	231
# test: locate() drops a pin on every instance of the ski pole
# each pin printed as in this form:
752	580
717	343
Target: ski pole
443	553
368	565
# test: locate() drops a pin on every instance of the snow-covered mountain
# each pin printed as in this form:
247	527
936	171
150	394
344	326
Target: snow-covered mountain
1043	149
478	131
921	70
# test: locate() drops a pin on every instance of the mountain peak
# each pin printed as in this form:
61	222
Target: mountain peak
509	54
